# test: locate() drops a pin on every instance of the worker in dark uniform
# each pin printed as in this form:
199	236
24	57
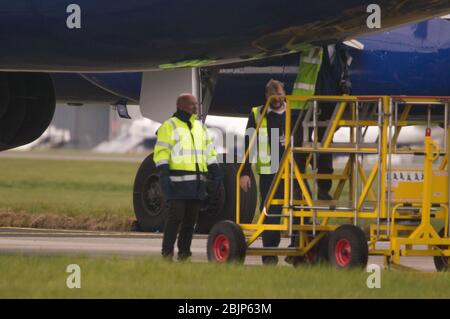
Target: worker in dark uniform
322	71
333	79
268	158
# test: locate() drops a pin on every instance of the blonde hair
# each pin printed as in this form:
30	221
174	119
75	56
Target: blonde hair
273	85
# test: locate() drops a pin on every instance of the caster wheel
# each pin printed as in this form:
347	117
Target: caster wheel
347	247
226	243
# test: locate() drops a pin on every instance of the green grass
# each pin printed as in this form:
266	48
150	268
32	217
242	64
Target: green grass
45	277
67	187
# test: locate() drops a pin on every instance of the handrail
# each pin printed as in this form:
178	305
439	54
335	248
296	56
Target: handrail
414	100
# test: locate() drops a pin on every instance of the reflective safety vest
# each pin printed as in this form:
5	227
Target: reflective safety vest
308	72
184	149
263	160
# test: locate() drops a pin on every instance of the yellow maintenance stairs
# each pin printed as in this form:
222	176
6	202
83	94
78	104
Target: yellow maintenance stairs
390	199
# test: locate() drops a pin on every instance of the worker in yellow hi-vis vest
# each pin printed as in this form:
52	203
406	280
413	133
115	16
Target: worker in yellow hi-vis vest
269	150
323	71
184	153
320	72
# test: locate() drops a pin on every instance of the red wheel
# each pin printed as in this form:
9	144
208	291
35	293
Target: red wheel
348	247
226	243
221	248
343	252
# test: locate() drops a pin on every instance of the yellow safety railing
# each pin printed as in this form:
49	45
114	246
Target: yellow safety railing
377	188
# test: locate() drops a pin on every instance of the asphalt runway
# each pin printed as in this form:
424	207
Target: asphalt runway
41	242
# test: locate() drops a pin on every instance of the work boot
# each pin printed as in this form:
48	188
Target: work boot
270	260
184	257
323	195
293	260
167	257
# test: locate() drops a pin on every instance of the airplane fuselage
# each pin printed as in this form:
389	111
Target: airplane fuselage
117	35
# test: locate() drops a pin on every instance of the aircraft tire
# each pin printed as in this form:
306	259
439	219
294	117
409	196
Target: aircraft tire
150	207
226	208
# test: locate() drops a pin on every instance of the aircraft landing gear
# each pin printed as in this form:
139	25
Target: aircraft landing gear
151	209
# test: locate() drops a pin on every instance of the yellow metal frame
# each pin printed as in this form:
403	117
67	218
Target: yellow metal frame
383	217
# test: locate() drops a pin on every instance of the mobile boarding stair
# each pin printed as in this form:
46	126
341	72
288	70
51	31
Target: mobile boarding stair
378	208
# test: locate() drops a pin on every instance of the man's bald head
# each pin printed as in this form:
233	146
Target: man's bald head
187	102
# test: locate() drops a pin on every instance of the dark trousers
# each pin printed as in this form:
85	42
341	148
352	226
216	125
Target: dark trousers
272	238
324	160
181	218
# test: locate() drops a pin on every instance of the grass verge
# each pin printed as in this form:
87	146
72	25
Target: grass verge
108	277
91	195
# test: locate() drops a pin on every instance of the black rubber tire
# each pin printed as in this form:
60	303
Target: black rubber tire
441	263
249	204
151	214
150	206
322	250
348	238
209	216
234	248
226	209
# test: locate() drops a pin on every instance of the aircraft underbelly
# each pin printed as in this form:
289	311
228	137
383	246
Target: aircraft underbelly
117	35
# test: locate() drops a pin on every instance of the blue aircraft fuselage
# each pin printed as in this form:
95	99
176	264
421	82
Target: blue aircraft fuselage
118	35
411	60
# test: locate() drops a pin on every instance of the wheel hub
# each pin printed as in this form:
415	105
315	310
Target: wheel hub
153	199
343	252
221	248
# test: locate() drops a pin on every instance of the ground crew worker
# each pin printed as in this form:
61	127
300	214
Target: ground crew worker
184	153
266	166
323	71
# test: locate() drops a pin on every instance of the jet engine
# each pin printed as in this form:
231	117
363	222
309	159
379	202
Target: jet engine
27	105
